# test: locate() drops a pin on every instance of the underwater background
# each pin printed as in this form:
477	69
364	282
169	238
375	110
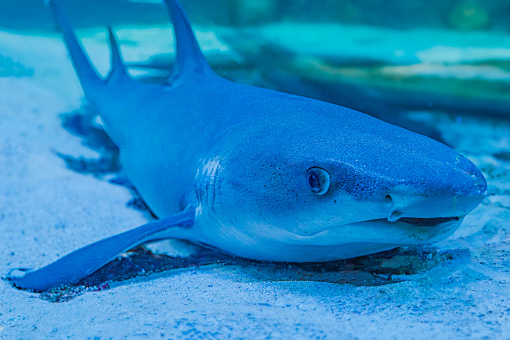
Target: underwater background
439	68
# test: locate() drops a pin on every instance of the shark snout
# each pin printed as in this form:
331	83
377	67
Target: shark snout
465	183
455	194
476	184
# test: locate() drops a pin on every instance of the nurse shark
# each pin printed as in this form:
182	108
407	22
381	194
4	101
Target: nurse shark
261	174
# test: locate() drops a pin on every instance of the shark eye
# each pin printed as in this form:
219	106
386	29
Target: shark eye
318	180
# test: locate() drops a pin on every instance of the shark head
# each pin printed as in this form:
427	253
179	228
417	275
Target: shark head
342	179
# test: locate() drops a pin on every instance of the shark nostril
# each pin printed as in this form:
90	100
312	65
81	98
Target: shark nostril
394	215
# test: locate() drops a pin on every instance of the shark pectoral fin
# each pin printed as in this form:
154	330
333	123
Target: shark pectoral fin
84	261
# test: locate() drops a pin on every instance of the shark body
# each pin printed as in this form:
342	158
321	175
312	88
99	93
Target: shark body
262	174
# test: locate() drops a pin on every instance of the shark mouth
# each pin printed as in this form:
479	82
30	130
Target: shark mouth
427	222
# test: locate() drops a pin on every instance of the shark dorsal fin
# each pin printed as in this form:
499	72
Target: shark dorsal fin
118	70
189	57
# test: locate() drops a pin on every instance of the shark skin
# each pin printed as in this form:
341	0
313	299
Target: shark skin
261	174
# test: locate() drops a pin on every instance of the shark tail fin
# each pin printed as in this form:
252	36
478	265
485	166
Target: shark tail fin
89	79
189	57
118	71
79	264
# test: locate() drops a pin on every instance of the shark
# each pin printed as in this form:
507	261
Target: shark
261	174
